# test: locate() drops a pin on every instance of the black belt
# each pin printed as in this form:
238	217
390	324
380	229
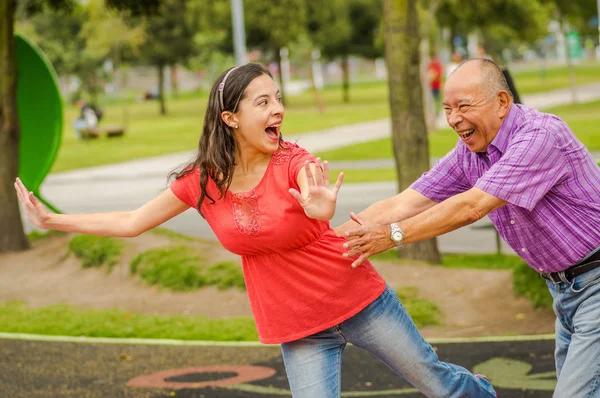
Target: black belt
575	270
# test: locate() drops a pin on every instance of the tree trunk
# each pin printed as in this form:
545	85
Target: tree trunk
345	79
313	83
570	67
12	236
161	88
280	69
174	81
409	132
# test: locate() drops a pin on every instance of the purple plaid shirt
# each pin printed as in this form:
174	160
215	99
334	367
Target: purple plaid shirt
548	178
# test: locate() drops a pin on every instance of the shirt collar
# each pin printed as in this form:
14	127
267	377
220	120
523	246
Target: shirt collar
502	138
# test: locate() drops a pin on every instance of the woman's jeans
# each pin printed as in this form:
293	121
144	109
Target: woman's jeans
577	355
384	328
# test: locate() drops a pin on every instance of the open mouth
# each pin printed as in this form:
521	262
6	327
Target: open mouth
273	131
466	134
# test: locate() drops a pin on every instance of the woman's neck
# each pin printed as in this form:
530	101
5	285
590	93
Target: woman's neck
248	162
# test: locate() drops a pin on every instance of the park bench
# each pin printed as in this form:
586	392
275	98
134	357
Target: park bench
109	131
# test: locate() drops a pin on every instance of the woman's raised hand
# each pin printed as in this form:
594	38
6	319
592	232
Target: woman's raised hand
36	212
319	200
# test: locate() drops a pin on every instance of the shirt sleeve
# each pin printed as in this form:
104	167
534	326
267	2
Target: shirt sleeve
445	179
298	156
529	168
187	188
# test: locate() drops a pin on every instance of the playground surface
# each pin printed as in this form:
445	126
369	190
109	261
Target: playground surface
43	366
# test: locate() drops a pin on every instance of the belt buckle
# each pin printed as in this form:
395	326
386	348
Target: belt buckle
553	277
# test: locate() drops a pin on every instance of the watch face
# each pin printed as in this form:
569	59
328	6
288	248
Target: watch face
397	236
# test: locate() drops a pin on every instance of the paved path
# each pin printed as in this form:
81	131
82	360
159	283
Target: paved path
128	185
77	368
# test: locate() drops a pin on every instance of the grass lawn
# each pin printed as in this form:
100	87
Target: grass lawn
553	78
149	134
455	260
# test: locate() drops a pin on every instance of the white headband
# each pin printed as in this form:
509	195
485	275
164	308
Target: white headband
222	87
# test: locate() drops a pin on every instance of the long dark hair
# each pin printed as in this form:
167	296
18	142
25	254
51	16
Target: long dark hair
218	144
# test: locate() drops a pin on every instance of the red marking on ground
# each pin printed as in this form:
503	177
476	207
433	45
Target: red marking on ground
244	374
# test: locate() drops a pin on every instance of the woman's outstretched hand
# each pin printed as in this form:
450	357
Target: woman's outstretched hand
36	212
320	200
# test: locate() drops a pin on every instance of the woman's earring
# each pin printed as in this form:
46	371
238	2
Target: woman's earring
236	126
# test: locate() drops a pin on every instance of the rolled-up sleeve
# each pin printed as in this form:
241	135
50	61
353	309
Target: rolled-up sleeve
447	178
528	169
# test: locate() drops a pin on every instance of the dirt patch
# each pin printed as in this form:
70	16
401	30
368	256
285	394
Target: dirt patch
474	302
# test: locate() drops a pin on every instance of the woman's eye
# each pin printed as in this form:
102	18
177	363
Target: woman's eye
278	99
262	103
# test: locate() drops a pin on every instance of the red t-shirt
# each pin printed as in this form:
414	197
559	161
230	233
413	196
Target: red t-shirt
435	70
297	280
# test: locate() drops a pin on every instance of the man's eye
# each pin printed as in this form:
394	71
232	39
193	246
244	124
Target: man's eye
463	107
278	99
262	103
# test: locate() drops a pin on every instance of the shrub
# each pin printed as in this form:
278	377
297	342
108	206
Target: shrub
225	275
423	312
95	251
176	267
527	282
36	235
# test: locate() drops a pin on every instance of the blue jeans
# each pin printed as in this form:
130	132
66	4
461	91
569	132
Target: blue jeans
577	355
384	328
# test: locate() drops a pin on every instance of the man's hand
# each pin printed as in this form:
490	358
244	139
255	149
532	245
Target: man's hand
36	212
366	240
319	201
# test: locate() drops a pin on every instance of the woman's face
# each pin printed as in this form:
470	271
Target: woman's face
260	116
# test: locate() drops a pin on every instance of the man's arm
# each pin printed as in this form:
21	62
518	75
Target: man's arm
400	207
453	213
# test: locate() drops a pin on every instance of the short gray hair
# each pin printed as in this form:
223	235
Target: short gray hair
493	79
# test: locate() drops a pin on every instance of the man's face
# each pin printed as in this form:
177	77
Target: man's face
471	110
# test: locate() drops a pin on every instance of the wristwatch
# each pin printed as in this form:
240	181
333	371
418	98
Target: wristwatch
397	236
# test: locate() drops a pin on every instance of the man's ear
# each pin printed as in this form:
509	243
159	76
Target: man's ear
229	118
504	103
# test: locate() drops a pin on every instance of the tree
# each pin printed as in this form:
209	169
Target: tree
409	131
274	26
169	39
12	236
364	20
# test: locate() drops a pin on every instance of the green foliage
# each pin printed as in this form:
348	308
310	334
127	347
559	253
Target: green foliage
274	27
95	251
63	320
177	268
225	275
527	282
180	268
423	312
171	234
37	235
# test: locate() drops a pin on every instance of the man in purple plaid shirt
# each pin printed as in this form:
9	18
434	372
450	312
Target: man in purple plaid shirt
540	187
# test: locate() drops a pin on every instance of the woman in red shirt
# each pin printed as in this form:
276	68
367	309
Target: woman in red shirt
269	201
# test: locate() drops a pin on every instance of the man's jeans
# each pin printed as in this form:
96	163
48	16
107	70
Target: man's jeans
577	355
384	328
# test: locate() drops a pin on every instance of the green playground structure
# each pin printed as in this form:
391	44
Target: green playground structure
40	109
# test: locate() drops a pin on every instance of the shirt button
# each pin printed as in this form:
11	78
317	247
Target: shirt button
523	250
512	222
541	269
